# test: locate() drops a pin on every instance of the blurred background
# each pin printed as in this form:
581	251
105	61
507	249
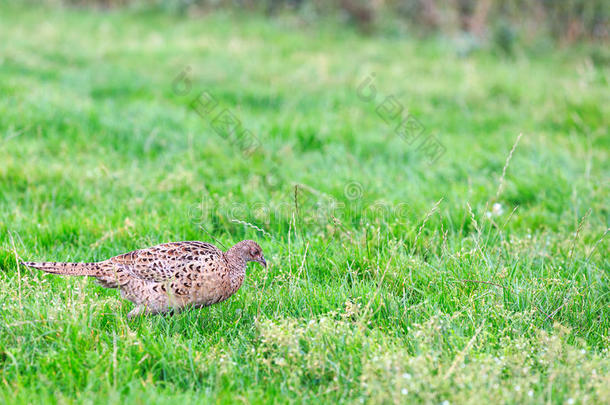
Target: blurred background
502	22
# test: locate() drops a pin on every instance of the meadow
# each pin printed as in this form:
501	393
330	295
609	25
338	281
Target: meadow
435	221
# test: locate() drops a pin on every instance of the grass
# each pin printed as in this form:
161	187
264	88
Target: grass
390	279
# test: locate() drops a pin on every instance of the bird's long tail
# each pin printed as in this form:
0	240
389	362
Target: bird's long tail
68	269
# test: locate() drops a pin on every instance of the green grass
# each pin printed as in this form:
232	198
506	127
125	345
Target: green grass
365	297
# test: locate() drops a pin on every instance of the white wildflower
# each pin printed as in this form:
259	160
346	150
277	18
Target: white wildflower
497	209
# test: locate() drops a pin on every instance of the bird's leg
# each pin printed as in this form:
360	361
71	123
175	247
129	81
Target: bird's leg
137	311
148	310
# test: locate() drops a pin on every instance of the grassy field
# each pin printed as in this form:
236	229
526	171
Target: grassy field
397	273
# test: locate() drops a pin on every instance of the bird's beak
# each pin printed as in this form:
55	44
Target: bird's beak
263	261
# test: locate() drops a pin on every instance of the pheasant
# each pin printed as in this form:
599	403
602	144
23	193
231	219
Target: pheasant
169	276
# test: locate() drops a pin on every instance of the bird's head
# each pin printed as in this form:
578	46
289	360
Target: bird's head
249	251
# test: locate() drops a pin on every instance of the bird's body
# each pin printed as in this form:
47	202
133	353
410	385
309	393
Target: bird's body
169	276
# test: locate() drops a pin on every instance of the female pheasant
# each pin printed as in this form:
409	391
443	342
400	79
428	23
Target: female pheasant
169	276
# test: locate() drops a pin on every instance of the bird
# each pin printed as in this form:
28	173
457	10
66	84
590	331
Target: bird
169	276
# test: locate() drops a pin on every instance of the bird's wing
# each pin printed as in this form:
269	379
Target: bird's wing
164	262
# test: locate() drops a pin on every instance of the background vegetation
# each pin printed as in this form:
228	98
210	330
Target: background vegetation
480	276
504	21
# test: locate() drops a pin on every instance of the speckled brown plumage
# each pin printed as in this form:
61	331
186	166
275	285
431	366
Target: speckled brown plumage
169	276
